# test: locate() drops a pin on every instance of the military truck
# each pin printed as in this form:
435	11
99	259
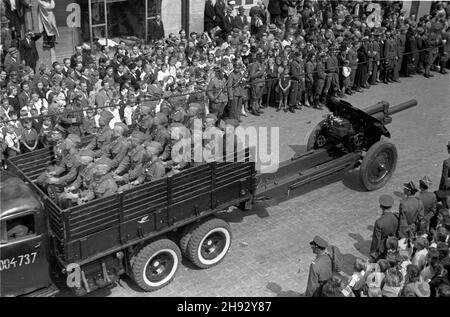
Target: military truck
144	232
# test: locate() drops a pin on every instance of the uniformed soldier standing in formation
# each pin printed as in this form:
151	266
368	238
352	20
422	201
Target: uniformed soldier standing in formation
321	269
428	199
217	93
385	226
411	211
257	83
445	177
236	91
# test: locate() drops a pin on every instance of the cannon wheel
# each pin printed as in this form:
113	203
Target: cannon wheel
378	165
316	140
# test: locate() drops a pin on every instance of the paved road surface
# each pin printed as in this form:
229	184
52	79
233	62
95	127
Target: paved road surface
270	254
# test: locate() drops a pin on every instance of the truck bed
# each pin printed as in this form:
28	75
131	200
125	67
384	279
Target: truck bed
92	230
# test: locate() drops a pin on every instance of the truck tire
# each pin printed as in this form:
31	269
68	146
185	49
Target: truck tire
209	243
378	165
185	237
156	264
316	140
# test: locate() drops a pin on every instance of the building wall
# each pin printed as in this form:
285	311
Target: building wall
171	15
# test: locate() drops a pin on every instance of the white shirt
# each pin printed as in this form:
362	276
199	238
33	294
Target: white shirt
127	113
116	114
13	4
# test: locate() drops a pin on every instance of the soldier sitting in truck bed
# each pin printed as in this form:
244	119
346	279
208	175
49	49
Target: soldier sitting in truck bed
180	149
67	169
154	168
103	183
104	136
118	148
161	134
85	175
132	165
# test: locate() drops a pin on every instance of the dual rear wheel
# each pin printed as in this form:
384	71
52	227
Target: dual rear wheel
205	244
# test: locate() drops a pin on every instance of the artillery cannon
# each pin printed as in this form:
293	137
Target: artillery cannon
345	139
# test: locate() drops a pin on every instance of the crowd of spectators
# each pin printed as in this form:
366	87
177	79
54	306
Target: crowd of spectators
308	51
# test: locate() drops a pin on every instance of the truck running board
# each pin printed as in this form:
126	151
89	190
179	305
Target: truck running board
281	187
50	291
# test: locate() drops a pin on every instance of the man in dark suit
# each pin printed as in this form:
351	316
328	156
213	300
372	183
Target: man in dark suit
210	16
228	22
219	9
28	51
384	227
241	19
15	12
157	29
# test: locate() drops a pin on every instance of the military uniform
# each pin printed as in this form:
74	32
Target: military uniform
257	83
161	135
235	94
332	71
320	81
411	212
376	52
429	202
390	55
384	227
116	150
445	177
352	58
132	165
217	94
320	270
298	82
103	187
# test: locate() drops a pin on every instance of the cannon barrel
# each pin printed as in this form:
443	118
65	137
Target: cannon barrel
382	111
403	106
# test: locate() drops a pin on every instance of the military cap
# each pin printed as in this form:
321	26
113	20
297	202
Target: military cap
425	182
411	187
319	242
106	116
162	118
104	161
386	201
121	125
233	122
211	116
241	9
88	153
177	116
12	50
138	136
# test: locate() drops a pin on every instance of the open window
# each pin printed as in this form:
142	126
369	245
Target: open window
17	228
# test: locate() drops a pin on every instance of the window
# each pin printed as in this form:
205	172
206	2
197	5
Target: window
17	228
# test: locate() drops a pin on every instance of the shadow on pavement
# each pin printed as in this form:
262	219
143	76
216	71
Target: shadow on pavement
238	215
362	245
275	288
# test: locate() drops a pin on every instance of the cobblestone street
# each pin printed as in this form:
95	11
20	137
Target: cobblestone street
270	254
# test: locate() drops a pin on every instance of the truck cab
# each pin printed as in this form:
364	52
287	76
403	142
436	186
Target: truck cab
24	256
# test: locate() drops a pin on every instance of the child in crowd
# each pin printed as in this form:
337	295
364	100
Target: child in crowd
284	85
